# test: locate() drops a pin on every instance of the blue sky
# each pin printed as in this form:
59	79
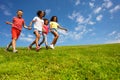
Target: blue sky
87	21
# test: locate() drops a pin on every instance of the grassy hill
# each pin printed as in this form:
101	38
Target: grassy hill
89	62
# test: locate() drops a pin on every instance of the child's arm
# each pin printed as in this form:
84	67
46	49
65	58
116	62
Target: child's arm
32	23
62	28
43	29
29	28
7	22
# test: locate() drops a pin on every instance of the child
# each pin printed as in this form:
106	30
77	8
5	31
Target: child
53	28
46	28
17	24
38	27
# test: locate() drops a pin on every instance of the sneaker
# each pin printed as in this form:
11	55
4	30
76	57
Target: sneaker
15	51
7	48
51	46
29	47
47	47
37	48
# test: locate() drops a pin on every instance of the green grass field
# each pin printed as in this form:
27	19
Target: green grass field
87	62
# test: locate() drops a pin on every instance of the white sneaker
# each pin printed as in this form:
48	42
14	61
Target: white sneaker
15	51
51	46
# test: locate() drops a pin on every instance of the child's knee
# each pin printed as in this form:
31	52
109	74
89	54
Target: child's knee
57	36
14	39
38	35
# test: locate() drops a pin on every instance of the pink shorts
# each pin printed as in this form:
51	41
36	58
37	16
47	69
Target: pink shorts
15	33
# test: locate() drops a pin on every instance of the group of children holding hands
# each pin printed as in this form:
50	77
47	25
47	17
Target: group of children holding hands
41	28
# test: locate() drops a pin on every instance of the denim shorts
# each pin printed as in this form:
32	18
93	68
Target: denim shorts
53	30
40	32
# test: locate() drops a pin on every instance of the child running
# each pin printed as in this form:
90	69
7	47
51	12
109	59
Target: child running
46	28
53	28
16	29
38	28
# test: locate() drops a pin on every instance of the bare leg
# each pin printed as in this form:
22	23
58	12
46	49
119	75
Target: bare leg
56	36
37	38
8	46
14	45
42	40
46	44
32	44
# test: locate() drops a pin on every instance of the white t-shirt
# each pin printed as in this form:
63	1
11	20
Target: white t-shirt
38	23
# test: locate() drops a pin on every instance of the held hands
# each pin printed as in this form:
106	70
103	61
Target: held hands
29	28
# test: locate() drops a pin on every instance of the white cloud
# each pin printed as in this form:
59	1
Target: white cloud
5	34
5	10
91	4
97	10
28	38
77	2
61	39
73	35
91	22
114	37
74	15
76	34
63	32
107	4
112	33
77	17
99	18
93	34
80	19
117	36
48	11
7	13
22	35
116	8
79	28
113	41
2	7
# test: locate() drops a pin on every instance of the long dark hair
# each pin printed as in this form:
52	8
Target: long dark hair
52	18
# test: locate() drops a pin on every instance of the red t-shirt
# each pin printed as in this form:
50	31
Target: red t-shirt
46	29
18	23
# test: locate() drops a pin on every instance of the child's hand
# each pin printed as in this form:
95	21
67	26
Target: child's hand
29	28
8	22
66	30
